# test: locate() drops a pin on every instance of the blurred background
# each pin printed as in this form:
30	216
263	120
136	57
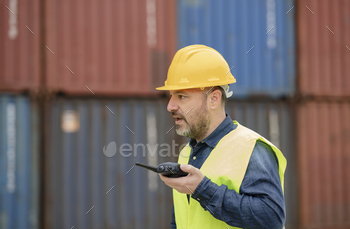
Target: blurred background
77	75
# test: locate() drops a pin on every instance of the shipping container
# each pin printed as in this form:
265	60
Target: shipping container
91	180
19	44
324	48
323	133
275	122
257	39
18	163
109	47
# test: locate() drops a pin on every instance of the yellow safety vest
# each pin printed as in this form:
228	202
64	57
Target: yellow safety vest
227	165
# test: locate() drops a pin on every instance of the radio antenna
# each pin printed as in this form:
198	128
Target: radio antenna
154	169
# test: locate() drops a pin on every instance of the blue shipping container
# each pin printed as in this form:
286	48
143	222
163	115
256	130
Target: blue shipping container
18	163
91	178
257	39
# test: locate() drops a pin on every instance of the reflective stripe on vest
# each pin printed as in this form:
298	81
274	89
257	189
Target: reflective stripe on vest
226	164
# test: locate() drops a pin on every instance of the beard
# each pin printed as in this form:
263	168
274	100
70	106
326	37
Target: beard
198	128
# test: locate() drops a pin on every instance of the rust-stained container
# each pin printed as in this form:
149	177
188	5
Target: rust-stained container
19	45
323	133
324	49
108	47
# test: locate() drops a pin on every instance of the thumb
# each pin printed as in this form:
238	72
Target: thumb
188	168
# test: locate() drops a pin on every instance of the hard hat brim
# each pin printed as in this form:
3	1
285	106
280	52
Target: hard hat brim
172	88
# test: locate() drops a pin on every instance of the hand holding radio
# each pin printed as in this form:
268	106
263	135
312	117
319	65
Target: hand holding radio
168	169
186	184
187	177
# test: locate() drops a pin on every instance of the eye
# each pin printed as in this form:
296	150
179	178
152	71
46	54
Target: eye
182	96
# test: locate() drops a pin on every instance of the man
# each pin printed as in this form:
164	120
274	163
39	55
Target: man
235	176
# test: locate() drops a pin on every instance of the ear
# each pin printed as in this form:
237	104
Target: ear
214	99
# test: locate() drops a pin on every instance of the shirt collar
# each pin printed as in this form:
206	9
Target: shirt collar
224	128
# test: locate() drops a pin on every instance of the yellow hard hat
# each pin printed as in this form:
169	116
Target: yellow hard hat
197	66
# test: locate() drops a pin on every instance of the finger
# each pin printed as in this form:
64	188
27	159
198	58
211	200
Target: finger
188	168
167	179
180	181
163	178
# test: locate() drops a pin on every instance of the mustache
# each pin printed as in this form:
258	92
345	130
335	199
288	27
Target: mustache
178	114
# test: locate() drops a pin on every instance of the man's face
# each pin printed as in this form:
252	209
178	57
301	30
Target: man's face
189	108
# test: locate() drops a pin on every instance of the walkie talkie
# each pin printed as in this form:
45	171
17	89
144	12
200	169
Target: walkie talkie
168	169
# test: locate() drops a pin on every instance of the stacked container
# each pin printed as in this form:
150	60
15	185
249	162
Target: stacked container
19	115
112	48
258	42
323	127
99	50
80	78
257	39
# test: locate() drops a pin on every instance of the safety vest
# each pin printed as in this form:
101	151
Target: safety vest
226	164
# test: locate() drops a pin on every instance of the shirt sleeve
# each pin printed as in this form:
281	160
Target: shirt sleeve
260	201
173	223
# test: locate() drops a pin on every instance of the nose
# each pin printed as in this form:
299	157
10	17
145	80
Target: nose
172	106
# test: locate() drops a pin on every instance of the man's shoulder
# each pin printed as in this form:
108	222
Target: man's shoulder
243	133
263	152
